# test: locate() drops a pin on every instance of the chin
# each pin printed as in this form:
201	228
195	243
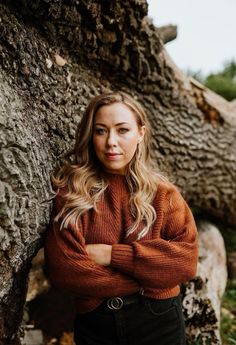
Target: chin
117	170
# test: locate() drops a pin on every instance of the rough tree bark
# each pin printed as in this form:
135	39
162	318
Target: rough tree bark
167	33
202	296
104	45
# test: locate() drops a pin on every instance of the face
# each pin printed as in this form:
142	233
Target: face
116	135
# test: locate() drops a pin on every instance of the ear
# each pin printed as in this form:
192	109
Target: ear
142	132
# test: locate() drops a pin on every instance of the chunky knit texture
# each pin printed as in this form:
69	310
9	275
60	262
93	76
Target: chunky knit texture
155	265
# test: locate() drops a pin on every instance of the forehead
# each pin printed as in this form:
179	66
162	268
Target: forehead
115	113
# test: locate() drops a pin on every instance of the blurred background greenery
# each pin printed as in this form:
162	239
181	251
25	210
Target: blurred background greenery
222	82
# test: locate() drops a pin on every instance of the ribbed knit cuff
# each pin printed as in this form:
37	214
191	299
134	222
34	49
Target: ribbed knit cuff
122	258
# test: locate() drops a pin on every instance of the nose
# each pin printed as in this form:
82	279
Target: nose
111	139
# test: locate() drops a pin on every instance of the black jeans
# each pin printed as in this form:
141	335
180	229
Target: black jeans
147	322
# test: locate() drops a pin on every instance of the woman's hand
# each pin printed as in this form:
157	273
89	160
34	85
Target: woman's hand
99	253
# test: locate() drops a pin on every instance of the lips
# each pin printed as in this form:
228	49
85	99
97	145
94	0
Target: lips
112	155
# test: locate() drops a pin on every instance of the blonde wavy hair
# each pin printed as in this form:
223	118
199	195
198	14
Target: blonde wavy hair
82	173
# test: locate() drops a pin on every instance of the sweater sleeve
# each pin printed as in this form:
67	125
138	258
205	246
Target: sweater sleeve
166	261
69	266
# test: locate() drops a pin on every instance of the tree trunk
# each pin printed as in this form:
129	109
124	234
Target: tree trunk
167	33
56	55
202	297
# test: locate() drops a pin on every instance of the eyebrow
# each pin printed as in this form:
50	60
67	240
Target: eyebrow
118	124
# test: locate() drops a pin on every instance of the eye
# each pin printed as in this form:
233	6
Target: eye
123	130
100	131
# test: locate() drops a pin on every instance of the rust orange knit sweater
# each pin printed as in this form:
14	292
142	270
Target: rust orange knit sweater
157	263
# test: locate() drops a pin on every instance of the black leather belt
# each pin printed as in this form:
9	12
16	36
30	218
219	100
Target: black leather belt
116	303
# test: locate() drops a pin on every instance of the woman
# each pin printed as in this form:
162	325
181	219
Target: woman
121	238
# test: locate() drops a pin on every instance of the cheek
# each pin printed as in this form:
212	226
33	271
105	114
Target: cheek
130	145
96	144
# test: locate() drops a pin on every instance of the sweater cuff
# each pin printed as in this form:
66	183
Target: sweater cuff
122	258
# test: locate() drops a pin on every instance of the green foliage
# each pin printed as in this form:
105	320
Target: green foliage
228	319
229	70
223	82
229	299
222	85
228	315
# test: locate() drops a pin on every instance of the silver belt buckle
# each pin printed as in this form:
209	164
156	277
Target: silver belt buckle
115	303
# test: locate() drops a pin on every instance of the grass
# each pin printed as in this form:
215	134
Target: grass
228	304
228	315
